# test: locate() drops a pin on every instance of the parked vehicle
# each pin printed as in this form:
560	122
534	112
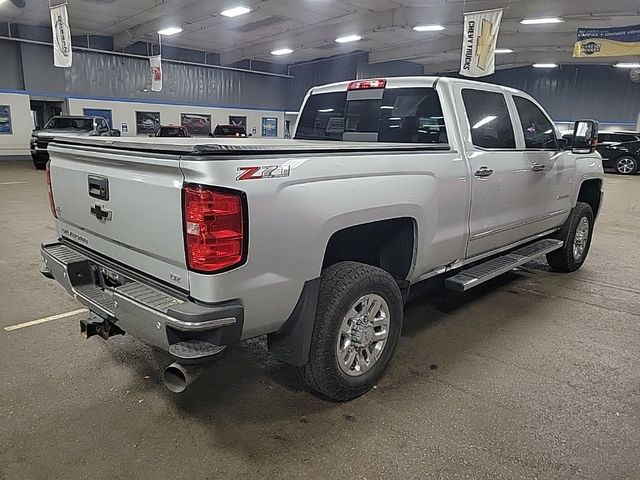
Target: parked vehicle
64	126
171	131
195	245
620	150
229	131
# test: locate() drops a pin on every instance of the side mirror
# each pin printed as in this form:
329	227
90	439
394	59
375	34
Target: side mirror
115	132
585	136
564	143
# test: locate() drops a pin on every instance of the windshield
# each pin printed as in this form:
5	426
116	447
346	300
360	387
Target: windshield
229	130
404	115
75	123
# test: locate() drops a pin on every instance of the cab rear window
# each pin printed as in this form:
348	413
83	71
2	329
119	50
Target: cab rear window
403	115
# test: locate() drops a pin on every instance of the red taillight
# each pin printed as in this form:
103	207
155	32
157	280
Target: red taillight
367	84
214	228
52	205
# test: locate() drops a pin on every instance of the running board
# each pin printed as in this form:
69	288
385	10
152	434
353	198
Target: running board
485	271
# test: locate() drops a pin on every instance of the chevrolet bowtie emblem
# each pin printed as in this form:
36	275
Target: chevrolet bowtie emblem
100	212
486	40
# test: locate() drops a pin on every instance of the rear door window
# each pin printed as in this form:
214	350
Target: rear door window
402	115
489	119
539	132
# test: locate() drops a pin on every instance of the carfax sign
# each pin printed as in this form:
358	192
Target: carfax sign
607	42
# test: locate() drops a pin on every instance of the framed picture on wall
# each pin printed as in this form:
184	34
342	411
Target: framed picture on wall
269	127
5	120
99	112
196	123
147	122
237	120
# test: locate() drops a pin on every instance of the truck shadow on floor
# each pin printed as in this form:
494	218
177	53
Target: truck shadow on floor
253	403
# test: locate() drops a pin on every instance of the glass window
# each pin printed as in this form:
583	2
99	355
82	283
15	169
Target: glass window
489	119
403	115
604	137
538	131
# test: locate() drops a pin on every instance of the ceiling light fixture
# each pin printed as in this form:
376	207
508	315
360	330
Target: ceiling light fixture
170	31
348	38
429	28
235	12
504	50
544	65
541	21
627	65
282	51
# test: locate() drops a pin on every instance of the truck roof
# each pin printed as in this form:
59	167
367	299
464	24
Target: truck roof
409	82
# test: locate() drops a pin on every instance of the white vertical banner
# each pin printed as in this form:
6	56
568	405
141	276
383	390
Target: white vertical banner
479	40
61	36
156	73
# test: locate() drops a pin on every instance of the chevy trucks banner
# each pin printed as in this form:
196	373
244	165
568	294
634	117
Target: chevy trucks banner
61	36
607	42
156	73
479	39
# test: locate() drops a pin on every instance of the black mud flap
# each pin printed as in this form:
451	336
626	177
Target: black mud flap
291	343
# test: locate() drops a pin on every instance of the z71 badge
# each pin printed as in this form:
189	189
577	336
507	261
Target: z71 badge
270	171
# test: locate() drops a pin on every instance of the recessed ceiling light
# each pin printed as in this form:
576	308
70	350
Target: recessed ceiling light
235	11
541	21
504	50
349	38
544	65
428	28
627	65
282	51
170	31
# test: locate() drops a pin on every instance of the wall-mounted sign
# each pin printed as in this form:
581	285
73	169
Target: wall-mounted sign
196	124
607	42
147	122
124	127
5	120
269	127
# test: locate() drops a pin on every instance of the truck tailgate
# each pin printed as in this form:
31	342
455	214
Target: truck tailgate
136	219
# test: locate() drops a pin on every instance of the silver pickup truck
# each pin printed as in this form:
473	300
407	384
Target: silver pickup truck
195	244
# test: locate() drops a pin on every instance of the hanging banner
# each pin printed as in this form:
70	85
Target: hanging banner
607	42
479	40
156	73
61	36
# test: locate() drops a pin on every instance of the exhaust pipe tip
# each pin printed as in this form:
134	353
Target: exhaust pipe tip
176	378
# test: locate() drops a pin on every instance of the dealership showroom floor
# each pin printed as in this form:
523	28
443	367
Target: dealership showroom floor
357	190
534	375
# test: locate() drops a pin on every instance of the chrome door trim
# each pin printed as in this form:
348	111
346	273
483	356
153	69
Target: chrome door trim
494	231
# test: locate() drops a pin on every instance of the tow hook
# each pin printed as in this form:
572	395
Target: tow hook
96	325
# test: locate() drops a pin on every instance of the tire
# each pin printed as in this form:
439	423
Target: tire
342	286
567	259
39	164
626	165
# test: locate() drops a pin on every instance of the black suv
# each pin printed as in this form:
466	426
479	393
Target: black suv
620	150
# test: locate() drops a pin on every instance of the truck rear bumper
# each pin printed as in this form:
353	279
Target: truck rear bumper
191	332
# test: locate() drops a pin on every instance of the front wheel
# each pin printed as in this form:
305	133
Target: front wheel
626	165
576	234
357	326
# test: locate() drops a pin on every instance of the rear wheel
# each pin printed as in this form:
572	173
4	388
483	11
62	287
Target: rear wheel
576	234
357	326
627	165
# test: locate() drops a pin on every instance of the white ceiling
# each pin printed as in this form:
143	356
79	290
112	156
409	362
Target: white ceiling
310	27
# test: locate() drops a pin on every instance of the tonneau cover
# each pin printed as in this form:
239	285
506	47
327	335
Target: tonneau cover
232	146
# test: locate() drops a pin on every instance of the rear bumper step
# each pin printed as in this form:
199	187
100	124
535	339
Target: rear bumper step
485	271
185	329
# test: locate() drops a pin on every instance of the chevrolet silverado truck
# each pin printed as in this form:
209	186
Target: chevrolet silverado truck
196	244
65	126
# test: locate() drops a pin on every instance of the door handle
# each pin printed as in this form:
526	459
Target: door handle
483	172
538	167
